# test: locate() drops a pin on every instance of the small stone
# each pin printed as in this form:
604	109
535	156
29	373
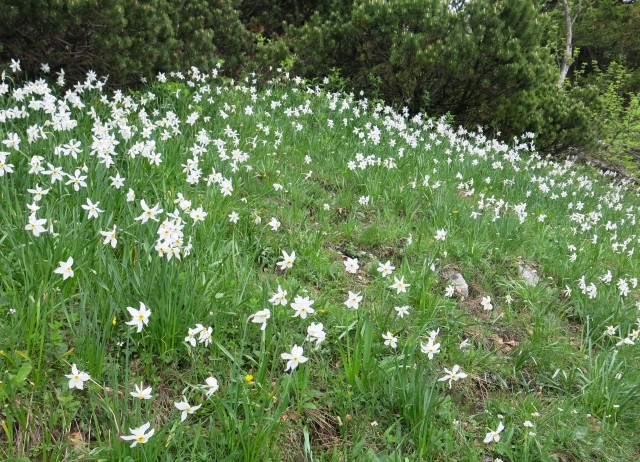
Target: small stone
528	275
459	284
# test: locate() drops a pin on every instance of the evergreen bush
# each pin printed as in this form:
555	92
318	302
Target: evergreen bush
483	61
125	39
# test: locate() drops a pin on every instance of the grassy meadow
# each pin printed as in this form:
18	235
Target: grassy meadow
210	269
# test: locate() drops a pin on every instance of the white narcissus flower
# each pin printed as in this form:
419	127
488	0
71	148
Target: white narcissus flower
294	358
351	265
33	207
15	67
261	317
449	291
279	298
139	435
5	167
399	285
353	300
198	215
206	335
77	180
494	435
211	386
430	348
452	375
486	304
148	212
117	181
191	336
626	341
13	141
623	286
315	333
38	192
386	268
186	408
226	187
441	235
140	317
141	393
274	224
77	378
110	237
36	225
56	173
92	208
402	310
287	260
65	269
390	340
302	306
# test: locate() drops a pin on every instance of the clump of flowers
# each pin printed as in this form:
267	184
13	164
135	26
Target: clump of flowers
205	335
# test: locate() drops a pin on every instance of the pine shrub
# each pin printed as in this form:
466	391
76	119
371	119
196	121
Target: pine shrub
125	39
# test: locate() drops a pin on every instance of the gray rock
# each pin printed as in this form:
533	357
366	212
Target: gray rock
528	275
459	284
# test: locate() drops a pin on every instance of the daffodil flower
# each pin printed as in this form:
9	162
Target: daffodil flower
77	378
452	375
139	435
494	435
140	317
65	269
294	358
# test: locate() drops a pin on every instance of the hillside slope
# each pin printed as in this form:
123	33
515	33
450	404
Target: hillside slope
304	275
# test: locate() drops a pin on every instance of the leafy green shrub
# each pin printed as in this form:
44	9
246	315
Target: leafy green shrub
322	44
620	111
125	39
270	55
271	17
606	32
484	62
